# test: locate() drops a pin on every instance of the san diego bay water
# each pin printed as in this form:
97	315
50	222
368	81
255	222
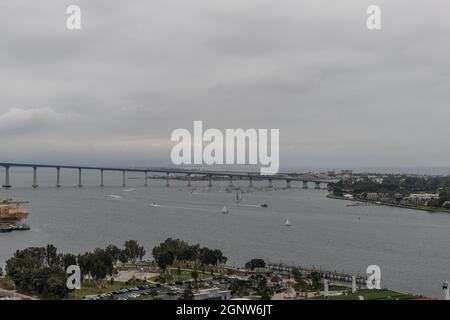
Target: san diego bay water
411	247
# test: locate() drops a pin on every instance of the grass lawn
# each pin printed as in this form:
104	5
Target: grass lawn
373	295
91	288
184	276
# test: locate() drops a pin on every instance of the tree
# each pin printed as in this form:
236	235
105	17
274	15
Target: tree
154	293
444	196
187	294
51	255
177	248
255	263
102	265
240	287
315	279
115	252
260	283
133	251
164	259
55	283
38	270
67	260
194	275
85	262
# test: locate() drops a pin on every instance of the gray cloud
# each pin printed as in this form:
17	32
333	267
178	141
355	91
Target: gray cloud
113	92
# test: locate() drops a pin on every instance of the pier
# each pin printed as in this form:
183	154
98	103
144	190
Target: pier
328	275
165	173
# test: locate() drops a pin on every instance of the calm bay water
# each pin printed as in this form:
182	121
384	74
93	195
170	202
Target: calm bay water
411	247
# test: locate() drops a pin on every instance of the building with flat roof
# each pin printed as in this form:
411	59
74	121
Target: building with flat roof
213	294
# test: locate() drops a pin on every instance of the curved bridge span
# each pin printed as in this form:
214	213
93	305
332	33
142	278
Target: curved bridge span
166	173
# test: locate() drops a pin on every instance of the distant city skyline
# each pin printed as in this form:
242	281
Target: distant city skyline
112	93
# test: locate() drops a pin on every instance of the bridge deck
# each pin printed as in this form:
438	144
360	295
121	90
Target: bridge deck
241	174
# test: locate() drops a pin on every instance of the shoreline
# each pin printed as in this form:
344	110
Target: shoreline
381	203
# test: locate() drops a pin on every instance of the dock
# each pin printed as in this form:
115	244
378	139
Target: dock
325	274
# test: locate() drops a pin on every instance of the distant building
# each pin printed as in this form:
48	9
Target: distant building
213	294
347	172
426	196
376	196
419	199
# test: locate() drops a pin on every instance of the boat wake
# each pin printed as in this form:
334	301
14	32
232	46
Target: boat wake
114	197
155	205
250	205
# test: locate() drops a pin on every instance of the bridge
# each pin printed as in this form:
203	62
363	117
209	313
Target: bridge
241	175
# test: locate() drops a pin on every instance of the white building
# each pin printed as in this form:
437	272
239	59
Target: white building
213	294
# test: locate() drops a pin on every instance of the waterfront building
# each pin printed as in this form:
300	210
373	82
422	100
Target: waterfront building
420	199
213	294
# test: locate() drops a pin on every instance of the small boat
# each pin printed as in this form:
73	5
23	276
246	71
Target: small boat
287	223
224	210
154	204
21	227
264	205
5	228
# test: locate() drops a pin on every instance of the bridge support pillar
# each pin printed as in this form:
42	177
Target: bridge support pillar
123	178
80	181
35	184
189	180
210	182
270	183
146	179
167	179
7	183
305	184
288	184
58	177
317	185
250	182
101	179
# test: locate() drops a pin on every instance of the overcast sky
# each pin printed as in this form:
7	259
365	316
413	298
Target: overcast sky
113	92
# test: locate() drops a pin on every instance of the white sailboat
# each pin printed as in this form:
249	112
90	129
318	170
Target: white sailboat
224	210
287	223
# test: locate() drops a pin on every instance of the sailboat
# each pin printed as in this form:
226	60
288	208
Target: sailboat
224	210
287	223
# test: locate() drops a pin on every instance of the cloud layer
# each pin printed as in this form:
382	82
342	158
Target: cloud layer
113	92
